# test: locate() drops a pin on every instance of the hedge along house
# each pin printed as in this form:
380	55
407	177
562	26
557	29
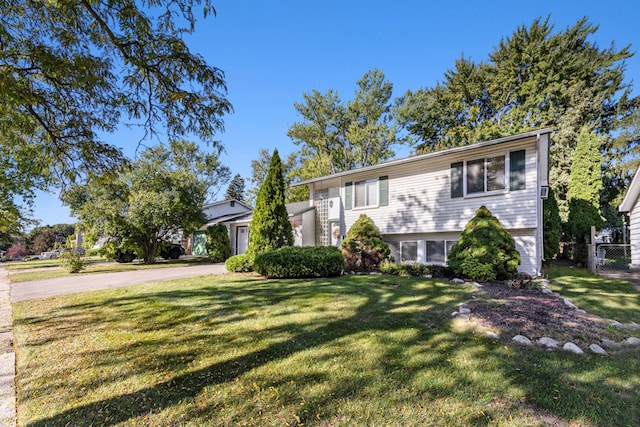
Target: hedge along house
422	203
631	205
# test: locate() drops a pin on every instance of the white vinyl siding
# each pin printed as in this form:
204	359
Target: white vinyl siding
634	234
420	202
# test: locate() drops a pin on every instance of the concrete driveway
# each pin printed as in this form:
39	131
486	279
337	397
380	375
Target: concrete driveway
23	291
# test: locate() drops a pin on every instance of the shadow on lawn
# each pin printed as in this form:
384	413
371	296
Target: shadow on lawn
385	306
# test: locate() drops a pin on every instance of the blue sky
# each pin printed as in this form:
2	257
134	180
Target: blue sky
273	52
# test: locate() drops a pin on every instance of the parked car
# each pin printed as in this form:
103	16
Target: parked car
49	255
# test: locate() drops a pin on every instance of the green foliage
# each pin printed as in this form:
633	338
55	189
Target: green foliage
239	263
363	248
72	262
218	244
295	262
160	195
335	138
235	189
415	270
270	228
485	251
534	78
552	226
584	192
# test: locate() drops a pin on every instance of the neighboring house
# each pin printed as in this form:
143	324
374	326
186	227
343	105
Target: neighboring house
421	204
631	205
232	213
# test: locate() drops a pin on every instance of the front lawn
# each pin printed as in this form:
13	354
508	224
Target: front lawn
353	350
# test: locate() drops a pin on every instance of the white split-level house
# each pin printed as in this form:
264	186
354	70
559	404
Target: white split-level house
421	203
631	205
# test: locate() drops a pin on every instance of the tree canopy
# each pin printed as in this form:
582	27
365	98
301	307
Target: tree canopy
235	189
158	197
535	78
334	137
70	72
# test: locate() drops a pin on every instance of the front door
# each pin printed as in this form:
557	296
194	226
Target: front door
199	246
242	240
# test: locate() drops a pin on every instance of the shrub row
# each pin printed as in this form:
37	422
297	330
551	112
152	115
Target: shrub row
416	270
239	264
292	262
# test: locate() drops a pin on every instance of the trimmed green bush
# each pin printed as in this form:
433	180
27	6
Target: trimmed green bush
293	262
485	250
415	270
72	262
239	264
363	247
218	244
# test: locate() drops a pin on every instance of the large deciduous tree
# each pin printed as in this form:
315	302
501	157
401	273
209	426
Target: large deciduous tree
270	227
334	137
160	195
72	71
535	78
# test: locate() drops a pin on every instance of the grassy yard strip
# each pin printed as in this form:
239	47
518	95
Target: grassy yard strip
95	265
353	350
612	299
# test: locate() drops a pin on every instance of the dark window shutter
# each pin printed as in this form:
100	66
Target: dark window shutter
383	187
348	195
517	175
456	180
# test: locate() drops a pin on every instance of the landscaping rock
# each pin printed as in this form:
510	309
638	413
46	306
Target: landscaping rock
464	310
521	339
492	335
548	342
595	348
634	325
457	281
616	324
547	291
569	303
632	341
572	348
611	345
580	311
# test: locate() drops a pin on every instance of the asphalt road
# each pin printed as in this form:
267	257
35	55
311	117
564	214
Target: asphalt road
23	291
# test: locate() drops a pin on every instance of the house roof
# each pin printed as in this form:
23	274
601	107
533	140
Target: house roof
222	202
405	160
632	194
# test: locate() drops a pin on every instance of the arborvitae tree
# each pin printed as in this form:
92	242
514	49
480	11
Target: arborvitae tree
363	247
270	227
218	243
585	185
236	189
485	251
552	226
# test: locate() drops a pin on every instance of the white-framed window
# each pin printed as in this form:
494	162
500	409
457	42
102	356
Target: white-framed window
489	175
486	175
366	193
409	251
438	251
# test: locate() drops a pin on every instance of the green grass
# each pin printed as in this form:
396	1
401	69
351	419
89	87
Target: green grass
611	299
45	269
353	350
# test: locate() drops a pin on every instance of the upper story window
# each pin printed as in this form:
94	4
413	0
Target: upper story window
366	193
490	174
486	175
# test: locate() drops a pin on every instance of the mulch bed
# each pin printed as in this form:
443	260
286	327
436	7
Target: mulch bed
534	314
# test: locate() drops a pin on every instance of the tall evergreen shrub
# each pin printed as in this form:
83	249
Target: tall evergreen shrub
270	227
218	243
